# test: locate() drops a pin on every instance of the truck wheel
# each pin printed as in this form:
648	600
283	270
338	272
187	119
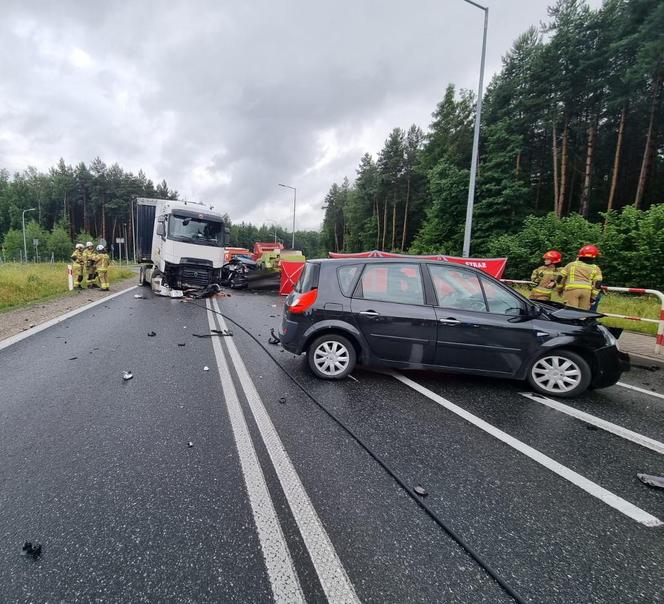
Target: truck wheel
560	373
331	357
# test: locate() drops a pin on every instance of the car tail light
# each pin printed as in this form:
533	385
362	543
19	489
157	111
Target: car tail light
302	302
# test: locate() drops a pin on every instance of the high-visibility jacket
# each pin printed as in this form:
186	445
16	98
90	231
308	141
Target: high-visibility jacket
90	257
102	261
581	275
544	277
78	257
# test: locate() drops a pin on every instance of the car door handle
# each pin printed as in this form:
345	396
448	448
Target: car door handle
370	313
449	321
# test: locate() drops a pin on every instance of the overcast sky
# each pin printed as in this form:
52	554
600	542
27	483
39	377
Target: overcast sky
226	99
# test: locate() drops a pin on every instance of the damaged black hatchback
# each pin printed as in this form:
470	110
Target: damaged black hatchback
421	314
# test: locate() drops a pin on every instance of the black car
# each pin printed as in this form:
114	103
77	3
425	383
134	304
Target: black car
421	314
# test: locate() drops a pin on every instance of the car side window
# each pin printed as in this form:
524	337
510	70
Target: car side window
457	288
393	283
500	300
346	276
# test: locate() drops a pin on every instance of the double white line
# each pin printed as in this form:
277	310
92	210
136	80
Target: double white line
278	561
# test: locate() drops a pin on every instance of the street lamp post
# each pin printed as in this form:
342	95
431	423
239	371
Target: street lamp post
25	245
294	202
476	139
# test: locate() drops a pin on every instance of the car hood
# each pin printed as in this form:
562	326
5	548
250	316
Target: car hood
563	313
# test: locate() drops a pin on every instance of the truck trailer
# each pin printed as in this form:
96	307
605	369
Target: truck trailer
181	245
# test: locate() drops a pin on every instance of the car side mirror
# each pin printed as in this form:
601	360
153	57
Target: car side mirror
519	314
161	231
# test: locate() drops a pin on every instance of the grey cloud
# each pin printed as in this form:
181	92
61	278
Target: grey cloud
205	91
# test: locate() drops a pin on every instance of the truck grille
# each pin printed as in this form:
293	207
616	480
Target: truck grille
195	277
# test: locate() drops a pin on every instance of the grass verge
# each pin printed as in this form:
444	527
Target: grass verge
630	305
21	284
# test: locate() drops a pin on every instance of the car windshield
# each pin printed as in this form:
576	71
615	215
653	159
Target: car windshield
195	230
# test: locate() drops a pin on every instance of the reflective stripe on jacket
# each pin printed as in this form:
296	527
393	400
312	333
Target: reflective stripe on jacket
102	262
78	257
544	278
580	275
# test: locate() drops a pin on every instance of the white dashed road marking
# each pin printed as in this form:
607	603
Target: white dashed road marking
592	488
641	390
635	437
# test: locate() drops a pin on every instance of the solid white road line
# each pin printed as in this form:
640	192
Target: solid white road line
331	573
30	332
635	437
611	499
641	390
280	568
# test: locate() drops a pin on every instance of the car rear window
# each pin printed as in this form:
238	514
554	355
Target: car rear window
346	276
308	278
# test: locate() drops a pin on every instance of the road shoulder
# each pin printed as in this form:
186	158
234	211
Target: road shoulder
18	320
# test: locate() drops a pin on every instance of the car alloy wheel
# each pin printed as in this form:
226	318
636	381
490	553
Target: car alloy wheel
331	357
560	373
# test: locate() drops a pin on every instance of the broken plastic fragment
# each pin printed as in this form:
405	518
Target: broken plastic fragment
190	444
274	338
139	296
127	375
73	358
181	344
282	400
31	550
420	490
206	368
652	481
151	334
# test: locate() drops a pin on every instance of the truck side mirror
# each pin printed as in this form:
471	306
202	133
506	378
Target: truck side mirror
160	228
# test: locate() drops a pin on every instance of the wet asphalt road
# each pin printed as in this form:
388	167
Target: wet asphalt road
99	471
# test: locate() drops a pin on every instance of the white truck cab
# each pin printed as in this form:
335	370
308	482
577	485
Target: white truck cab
181	245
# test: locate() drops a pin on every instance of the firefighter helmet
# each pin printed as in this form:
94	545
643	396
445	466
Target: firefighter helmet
79	246
100	248
89	244
588	251
554	256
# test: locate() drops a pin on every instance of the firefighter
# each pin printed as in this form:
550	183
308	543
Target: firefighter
101	264
78	264
545	276
90	260
580	281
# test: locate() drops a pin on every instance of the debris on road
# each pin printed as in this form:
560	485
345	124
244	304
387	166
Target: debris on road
274	338
190	444
151	334
31	550
181	344
652	481
282	400
206	368
420	490
127	375
73	358
139	296
589	427
214	332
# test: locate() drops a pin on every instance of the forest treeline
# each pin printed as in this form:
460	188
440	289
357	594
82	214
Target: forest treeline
88	202
572	124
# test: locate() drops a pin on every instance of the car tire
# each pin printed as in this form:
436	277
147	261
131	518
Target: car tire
331	357
560	373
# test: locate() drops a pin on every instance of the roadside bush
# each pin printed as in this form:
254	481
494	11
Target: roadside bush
632	245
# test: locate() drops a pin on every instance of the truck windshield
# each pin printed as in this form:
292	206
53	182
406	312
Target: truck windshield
195	230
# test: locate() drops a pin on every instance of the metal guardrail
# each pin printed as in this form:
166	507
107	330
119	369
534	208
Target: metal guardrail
659	339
